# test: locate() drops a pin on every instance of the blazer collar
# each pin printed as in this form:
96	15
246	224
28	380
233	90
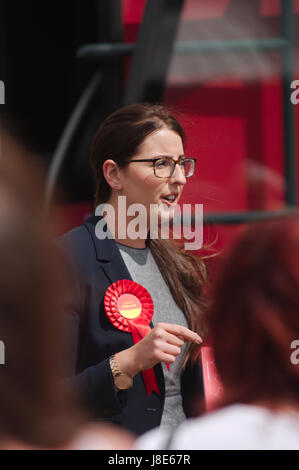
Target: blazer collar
106	249
107	253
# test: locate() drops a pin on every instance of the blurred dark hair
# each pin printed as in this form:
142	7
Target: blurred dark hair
119	138
255	315
36	407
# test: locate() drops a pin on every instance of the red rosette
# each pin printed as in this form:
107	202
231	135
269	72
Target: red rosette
130	308
113	295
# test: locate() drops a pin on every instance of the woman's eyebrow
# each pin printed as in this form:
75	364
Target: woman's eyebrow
171	156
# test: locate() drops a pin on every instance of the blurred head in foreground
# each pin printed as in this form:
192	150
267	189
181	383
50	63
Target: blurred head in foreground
35	407
255	316
38	406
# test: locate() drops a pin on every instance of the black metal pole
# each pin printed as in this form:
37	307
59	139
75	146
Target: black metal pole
153	51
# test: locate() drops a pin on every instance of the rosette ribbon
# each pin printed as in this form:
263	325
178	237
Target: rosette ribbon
130	308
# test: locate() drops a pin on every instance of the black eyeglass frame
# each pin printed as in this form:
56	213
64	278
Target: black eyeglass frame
176	162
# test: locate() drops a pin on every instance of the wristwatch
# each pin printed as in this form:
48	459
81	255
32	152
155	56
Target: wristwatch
122	380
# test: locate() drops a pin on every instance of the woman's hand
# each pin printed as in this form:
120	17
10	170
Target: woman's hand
162	344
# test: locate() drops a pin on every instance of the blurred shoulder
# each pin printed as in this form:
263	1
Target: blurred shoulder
209	431
73	238
77	251
103	437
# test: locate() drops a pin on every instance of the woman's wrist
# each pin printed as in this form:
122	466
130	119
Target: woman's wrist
127	361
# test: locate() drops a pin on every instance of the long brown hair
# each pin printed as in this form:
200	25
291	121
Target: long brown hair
119	137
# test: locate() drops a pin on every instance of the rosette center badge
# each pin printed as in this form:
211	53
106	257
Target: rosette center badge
129	306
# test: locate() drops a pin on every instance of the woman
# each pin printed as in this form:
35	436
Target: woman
254	325
138	154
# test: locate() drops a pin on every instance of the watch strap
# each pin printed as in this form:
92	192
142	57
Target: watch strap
114	366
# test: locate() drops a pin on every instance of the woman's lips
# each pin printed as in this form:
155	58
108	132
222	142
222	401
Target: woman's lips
169	203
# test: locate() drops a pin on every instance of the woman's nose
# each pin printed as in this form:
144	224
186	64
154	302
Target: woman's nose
178	175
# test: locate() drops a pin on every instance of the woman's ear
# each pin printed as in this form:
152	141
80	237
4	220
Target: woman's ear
111	174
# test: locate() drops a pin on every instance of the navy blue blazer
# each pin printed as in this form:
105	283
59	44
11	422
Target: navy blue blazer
93	265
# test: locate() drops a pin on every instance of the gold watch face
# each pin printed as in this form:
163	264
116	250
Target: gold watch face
123	381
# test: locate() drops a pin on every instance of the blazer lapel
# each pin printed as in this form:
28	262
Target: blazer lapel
107	254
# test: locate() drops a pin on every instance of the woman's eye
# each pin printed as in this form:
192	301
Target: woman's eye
163	163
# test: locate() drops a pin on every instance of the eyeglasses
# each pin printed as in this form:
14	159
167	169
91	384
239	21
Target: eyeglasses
164	166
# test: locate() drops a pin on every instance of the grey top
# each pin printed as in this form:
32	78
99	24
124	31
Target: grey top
144	270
